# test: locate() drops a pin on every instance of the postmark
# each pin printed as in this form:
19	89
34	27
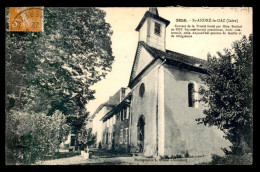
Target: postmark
26	19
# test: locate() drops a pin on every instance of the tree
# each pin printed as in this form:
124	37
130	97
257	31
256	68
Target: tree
54	69
229	94
86	137
61	63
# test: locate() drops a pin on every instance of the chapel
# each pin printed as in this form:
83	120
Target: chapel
157	114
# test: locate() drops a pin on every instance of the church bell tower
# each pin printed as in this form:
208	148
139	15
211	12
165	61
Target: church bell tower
152	29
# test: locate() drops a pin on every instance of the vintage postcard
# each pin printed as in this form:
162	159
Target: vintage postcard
129	85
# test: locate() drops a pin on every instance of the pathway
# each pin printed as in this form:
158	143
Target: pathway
104	158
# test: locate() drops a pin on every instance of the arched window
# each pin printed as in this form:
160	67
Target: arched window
191	95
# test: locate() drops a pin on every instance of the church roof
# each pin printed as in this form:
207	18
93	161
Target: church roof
175	56
125	101
99	108
153	13
172	58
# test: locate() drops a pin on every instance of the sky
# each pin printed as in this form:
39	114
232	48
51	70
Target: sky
124	21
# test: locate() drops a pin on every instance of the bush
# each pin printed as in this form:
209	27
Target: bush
186	155
30	137
164	157
245	159
177	156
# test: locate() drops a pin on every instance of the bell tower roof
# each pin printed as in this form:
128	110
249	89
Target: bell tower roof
153	13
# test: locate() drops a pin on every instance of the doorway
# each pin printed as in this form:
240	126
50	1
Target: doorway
140	133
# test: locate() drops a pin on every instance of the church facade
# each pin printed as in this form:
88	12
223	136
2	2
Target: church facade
157	116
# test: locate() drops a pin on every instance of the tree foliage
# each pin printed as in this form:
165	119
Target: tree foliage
228	96
86	137
59	65
34	136
53	70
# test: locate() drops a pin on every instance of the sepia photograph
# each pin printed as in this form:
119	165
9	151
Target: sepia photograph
128	85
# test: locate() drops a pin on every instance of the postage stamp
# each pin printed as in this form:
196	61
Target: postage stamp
26	19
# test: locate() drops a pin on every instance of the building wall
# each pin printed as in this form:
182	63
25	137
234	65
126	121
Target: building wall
143	32
89	125
108	128
182	133
154	40
71	142
142	60
97	124
145	106
122	132
146	34
116	131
